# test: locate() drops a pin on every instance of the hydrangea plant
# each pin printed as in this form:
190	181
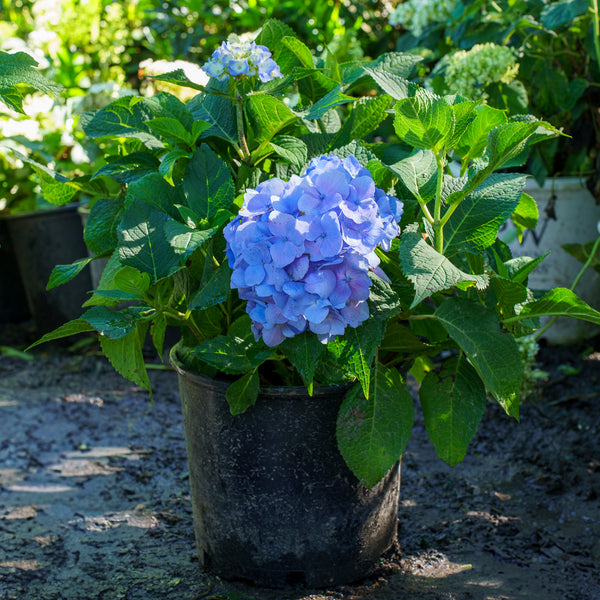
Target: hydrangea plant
236	58
470	72
301	250
293	244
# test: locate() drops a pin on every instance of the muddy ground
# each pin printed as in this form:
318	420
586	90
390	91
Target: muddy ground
94	500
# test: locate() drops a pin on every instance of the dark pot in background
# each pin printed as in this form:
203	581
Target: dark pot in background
13	302
42	240
273	500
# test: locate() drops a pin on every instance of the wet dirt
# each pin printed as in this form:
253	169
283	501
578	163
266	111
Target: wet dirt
94	500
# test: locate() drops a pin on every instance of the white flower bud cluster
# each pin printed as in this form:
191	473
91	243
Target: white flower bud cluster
468	72
417	15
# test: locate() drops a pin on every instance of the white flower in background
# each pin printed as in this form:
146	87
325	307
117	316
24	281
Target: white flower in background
417	15
29	128
160	67
468	72
48	11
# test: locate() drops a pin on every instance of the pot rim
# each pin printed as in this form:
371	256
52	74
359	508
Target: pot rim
289	390
72	206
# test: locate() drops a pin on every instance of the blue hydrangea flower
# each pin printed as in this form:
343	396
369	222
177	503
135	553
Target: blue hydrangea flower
301	250
238	59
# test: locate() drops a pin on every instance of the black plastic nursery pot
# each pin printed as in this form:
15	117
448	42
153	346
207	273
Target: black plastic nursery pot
273	500
40	241
13	302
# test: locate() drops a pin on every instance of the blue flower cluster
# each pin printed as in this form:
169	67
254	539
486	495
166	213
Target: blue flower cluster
242	58
301	250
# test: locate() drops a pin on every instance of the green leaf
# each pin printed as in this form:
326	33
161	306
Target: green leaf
169	106
401	64
207	183
226	353
125	355
17	70
383	300
208	322
356	149
464	114
216	290
131	281
170	129
526	214
185	240
291	149
153	190
113	324
356	349
328	102
62	274
299	49
198	128
127	169
304	351
242	394
158	329
367	113
372	433
217	111
401	340
143	244
417	173
272	32
56	188
100	233
493	353
106	283
431	272
116	295
520	267
424	121
177	77
475	223
68	329
472	142
168	162
504	143
125	117
453	402
397	87
267	116
559	302
582	253
562	13
509	295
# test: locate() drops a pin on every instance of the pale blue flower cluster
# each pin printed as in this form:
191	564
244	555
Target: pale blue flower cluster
239	58
301	250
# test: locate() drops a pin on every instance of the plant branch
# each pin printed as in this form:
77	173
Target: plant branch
239	111
596	29
438	225
583	269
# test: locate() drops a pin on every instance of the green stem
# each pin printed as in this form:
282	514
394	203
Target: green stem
596	29
583	269
184	318
239	111
438	225
425	210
